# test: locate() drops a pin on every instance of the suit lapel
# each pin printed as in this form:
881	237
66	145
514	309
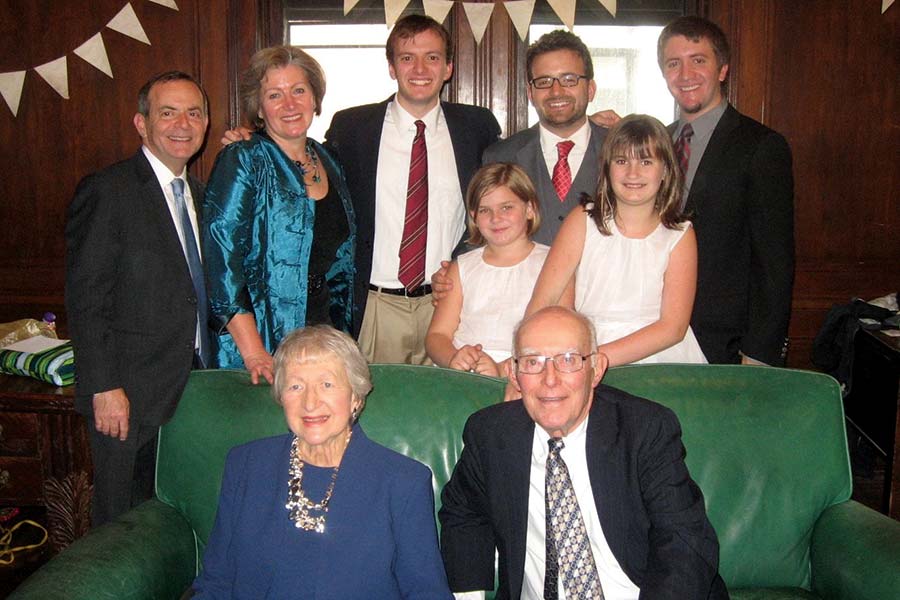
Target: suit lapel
516	443
586	178
463	146
711	158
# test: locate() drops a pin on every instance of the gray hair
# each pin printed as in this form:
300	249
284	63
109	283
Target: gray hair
144	93
320	342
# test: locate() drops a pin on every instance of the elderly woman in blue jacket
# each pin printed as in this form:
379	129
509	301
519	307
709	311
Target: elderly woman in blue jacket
323	512
279	228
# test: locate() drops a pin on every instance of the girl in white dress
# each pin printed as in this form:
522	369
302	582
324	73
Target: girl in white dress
631	252
472	326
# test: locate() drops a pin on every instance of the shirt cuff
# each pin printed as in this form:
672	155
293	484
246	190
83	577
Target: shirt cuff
468	595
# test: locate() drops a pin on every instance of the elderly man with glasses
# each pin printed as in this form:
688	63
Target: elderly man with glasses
581	488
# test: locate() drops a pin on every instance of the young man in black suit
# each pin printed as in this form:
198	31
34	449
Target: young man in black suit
740	196
639	515
134	291
374	145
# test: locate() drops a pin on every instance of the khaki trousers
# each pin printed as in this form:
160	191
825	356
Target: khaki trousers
394	327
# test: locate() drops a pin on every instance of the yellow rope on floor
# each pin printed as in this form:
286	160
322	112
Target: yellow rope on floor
7	550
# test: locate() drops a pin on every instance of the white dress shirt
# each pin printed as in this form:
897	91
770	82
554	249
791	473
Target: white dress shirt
446	212
576	154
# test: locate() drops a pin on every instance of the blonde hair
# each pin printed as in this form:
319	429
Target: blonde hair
490	177
278	57
645	137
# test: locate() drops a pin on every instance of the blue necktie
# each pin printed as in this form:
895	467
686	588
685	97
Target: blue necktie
196	268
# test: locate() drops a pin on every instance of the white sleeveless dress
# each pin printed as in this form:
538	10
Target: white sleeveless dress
494	300
619	284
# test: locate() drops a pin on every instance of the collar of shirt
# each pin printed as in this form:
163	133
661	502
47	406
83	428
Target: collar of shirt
405	122
164	175
574	440
703	125
581	138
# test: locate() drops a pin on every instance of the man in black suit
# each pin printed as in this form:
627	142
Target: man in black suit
560	74
642	515
134	291
740	196
373	142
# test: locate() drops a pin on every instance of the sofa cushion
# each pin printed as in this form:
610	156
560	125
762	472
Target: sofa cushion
767	447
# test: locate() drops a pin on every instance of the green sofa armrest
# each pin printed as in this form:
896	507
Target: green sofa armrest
149	552
855	554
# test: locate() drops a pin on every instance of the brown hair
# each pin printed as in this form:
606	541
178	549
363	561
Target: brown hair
489	178
559	39
638	136
695	29
278	57
412	25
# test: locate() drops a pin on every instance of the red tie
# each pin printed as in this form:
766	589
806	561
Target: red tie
562	174
415	226
683	147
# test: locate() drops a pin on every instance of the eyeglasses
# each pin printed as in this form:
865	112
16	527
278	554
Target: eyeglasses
567	362
565	80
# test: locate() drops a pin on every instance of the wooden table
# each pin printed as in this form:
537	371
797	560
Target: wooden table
45	457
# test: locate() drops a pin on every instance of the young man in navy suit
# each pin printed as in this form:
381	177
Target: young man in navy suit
641	515
136	314
740	197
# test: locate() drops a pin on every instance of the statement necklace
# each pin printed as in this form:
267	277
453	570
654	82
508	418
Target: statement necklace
300	507
311	164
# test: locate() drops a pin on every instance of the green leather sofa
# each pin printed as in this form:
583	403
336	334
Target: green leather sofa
767	446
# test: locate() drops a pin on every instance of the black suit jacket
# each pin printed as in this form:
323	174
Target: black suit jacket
355	137
131	303
651	512
742	204
524	149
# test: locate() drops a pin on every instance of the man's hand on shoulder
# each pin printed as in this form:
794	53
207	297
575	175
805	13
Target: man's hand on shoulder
111	412
441	284
235	135
605	118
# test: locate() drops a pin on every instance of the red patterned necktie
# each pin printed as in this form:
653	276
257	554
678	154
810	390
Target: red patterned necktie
415	225
683	147
562	174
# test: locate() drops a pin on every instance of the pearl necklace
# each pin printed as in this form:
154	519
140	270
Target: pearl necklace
312	162
301	507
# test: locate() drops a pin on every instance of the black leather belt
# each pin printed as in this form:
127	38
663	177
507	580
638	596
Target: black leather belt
422	290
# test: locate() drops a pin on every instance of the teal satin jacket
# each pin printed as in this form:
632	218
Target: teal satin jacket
257	235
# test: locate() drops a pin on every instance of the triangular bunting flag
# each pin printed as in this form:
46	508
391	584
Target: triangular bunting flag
54	73
126	22
437	9
94	52
392	11
11	89
609	5
520	15
565	10
348	6
478	15
886	4
167	3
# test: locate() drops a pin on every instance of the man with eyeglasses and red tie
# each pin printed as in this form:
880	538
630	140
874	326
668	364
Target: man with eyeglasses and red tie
580	488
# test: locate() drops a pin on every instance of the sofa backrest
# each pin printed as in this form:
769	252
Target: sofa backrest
769	450
418	411
767	446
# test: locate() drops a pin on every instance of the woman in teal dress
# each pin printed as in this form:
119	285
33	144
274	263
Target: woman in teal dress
279	228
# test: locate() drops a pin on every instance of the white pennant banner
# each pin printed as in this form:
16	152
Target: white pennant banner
437	9
609	5
55	73
886	4
11	89
349	5
565	10
126	22
94	52
478	15
393	10
520	14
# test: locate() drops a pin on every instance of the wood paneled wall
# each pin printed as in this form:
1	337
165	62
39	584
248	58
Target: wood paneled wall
824	74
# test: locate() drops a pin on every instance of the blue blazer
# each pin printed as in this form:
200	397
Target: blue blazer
380	539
